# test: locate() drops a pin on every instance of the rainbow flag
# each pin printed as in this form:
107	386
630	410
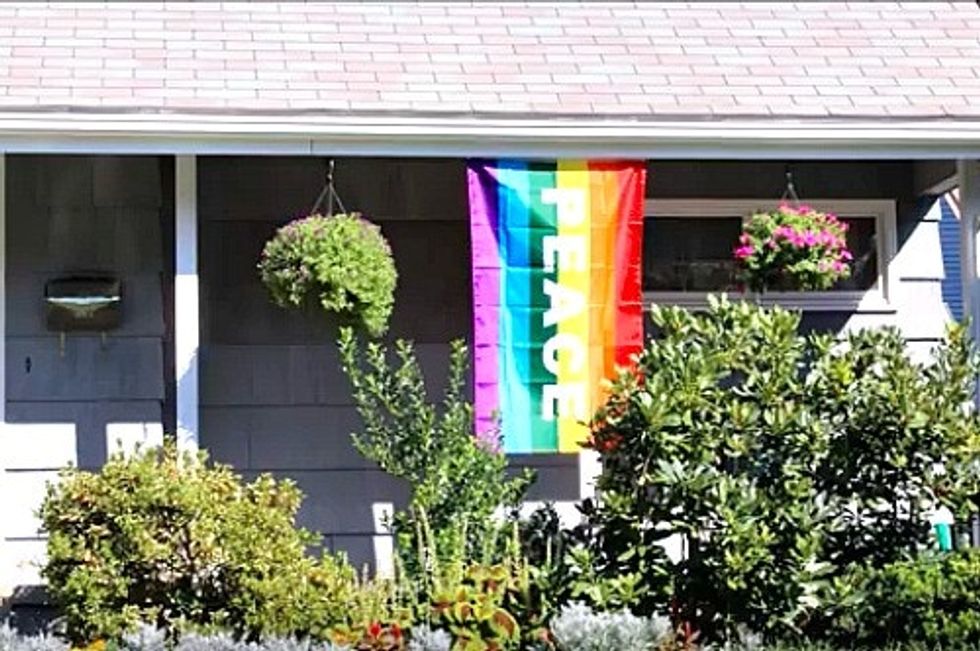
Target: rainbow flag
556	293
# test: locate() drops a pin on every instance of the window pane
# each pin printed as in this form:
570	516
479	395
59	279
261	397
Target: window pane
863	244
689	253
696	253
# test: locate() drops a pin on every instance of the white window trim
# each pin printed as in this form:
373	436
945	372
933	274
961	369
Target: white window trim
876	299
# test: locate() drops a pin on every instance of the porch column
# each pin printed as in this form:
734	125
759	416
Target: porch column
968	180
6	561
186	302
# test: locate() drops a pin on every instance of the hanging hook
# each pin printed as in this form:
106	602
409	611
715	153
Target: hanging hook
332	192
790	191
329	193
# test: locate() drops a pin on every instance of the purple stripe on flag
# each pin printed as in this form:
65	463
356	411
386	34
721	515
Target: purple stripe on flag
486	300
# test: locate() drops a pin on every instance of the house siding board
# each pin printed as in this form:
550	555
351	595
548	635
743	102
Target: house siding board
272	394
273	397
71	214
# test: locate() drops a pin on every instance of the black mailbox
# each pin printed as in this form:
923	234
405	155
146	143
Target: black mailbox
90	303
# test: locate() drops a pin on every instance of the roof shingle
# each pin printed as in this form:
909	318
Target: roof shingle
642	59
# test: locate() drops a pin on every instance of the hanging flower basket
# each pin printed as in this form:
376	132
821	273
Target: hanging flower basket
341	264
793	249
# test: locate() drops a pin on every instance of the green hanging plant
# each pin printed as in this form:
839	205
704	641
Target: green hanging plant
341	264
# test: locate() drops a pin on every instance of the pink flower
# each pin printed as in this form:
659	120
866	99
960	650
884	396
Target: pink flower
804	210
809	238
745	238
743	252
839	266
846	255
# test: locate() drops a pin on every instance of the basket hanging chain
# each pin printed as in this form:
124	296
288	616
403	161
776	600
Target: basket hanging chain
329	193
790	192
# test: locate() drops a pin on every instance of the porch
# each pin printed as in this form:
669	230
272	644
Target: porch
202	352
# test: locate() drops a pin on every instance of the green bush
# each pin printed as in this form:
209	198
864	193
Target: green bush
932	600
903	439
457	480
341	264
166	539
474	610
710	440
579	628
775	460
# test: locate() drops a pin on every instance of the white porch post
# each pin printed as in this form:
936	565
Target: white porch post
968	173
6	562
186	302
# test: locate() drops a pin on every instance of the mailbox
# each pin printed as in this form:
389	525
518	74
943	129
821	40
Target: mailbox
83	303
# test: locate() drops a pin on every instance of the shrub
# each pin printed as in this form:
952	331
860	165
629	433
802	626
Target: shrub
931	600
10	640
709	442
793	249
425	638
341	264
754	447
904	439
147	638
474	611
579	628
458	481
167	539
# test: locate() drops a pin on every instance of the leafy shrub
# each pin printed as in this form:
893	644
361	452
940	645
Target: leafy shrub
754	447
375	636
710	441
458	481
170	540
342	264
564	567
474	611
931	600
903	439
579	628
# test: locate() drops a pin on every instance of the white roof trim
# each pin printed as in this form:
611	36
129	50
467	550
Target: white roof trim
431	136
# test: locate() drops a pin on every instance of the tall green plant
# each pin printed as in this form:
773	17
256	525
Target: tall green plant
458	480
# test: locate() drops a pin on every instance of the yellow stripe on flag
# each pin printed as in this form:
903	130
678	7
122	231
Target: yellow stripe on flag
574	364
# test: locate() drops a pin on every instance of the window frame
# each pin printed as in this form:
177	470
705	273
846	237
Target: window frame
876	299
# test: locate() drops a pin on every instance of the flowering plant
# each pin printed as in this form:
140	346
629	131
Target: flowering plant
793	249
342	264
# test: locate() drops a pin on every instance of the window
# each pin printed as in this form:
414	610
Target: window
688	248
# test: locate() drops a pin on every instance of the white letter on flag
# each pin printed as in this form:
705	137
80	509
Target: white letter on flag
565	303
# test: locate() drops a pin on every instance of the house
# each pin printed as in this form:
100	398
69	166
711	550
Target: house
161	144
